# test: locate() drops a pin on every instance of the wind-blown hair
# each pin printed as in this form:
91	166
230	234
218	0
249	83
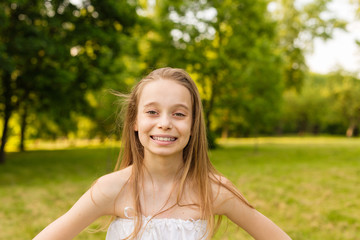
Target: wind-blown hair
197	169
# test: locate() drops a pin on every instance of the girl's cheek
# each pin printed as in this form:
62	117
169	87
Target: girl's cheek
147	122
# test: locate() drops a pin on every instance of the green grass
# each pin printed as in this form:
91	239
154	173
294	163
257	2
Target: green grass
309	186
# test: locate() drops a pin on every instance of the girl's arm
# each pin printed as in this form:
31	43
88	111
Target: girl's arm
96	202
252	221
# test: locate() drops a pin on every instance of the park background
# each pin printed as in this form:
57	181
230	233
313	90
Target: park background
287	136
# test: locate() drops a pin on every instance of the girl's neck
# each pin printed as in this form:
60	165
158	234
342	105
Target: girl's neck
162	169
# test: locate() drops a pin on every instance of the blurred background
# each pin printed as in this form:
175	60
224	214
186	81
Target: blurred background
279	81
263	67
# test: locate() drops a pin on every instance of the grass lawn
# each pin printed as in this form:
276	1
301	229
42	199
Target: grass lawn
308	186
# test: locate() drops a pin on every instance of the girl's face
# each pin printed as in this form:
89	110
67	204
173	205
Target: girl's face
164	118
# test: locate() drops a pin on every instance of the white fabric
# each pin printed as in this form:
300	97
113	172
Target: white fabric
158	229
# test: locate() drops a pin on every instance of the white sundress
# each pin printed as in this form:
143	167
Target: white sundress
158	229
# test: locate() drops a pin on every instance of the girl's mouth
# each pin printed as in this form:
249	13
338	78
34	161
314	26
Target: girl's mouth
164	139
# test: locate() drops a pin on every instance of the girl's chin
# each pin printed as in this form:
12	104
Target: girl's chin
164	152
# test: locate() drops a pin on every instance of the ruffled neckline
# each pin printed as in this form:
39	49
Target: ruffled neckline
148	218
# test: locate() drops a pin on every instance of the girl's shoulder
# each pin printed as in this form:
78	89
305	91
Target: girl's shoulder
110	185
219	182
223	190
220	186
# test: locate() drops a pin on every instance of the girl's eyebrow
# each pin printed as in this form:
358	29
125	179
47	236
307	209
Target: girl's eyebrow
182	106
151	104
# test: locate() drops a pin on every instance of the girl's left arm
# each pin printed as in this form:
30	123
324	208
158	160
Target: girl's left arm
96	202
248	218
82	214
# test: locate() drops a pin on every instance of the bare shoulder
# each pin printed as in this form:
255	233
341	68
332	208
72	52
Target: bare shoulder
217	178
220	185
224	192
111	184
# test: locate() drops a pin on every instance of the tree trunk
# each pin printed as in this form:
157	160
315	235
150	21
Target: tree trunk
225	131
4	137
210	104
207	112
23	129
350	130
6	82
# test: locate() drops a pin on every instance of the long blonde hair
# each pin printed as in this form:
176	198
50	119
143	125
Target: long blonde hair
197	168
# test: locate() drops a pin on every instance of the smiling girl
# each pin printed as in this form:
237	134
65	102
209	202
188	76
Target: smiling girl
164	186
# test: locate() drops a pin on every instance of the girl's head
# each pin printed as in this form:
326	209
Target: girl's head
133	148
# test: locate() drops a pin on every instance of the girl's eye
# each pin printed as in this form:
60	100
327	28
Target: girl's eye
152	112
179	114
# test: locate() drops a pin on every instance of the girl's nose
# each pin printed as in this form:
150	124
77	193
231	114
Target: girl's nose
165	122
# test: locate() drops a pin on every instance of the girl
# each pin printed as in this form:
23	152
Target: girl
165	187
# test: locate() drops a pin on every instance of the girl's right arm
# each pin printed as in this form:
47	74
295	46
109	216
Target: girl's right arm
257	225
99	200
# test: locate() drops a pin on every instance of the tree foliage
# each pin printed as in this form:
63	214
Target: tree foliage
228	48
52	52
326	104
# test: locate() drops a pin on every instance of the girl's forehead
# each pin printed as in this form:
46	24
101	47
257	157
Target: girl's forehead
165	92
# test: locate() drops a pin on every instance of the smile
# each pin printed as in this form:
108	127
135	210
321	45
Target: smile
164	139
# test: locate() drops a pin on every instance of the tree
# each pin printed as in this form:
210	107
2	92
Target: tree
227	47
53	52
346	99
307	111
326	104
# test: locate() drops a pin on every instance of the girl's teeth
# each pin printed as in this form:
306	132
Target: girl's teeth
167	139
